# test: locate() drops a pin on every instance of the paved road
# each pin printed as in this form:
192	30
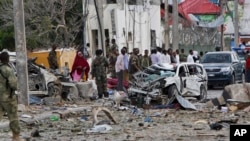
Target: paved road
215	92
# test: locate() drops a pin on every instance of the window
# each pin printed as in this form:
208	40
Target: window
199	69
153	38
182	72
135	2
111	1
192	69
129	36
131	2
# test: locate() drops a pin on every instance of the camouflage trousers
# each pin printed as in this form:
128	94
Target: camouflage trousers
10	107
101	82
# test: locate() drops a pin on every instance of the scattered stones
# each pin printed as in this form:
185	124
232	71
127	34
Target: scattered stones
35	133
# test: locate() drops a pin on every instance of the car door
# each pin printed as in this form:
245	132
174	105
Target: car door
191	83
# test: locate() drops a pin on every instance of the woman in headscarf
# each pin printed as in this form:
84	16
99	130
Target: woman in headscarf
80	67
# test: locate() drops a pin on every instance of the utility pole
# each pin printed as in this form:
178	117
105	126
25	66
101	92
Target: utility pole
222	6
166	25
175	25
85	14
100	16
21	55
236	26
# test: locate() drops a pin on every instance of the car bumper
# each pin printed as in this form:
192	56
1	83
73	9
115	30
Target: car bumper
219	79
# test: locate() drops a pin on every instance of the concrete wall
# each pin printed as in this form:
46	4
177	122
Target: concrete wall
139	20
63	55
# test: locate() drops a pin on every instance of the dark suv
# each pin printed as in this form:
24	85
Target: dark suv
223	68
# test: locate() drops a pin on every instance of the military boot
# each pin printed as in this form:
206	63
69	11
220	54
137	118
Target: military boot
106	94
100	96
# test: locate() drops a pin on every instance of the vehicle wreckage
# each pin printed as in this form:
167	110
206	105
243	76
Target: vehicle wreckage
41	81
44	82
165	81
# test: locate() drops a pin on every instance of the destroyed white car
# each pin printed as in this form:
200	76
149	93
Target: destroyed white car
40	80
165	81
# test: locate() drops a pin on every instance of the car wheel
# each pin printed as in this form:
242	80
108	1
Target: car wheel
54	90
203	94
172	91
232	79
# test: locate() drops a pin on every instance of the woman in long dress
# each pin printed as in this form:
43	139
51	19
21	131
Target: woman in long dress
80	68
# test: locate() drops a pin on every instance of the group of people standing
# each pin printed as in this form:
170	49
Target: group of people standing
121	65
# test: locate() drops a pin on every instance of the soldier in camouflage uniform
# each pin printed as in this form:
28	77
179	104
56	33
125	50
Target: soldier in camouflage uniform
134	63
8	101
53	64
113	53
98	66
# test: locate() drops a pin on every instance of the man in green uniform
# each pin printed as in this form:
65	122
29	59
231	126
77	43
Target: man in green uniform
113	53
52	59
182	56
134	63
145	60
8	101
98	66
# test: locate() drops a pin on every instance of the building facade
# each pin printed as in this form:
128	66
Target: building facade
133	23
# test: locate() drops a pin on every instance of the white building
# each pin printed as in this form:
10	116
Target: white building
135	24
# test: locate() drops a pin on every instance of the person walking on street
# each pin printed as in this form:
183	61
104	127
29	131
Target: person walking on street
99	66
8	101
119	68
52	59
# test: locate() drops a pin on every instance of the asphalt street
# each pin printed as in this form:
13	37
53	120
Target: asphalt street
215	92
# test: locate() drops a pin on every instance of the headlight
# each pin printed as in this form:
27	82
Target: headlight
226	69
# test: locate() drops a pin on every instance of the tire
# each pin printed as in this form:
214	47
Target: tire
172	91
203	94
54	90
232	80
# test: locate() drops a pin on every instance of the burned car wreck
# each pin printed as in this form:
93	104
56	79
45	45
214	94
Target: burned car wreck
164	81
41	81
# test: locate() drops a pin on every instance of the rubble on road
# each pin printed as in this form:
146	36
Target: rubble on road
100	119
235	97
75	122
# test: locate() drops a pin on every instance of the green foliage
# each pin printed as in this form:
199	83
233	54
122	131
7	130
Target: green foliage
7	40
46	22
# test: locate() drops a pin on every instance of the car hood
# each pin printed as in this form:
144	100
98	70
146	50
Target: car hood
220	65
